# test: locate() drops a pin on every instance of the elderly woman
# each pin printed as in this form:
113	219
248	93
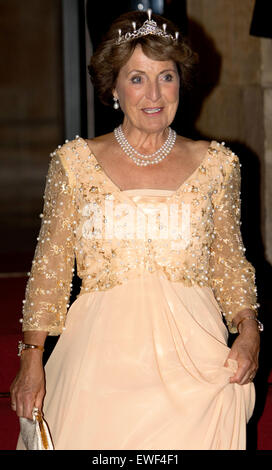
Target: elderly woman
153	221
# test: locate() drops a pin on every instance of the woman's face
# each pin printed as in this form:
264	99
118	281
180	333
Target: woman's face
148	92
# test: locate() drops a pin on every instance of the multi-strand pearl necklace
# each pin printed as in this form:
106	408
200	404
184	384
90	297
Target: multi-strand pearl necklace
144	160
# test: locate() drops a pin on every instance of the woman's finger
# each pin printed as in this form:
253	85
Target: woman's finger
242	373
247	379
243	376
39	400
13	404
19	408
12	401
29	404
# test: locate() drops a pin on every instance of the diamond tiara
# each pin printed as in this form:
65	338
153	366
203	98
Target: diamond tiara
149	27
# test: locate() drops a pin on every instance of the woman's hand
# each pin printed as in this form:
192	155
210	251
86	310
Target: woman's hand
245	350
28	388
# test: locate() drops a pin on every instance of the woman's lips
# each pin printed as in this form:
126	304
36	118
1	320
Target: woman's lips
152	111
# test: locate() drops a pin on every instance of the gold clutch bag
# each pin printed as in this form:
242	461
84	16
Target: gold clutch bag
35	433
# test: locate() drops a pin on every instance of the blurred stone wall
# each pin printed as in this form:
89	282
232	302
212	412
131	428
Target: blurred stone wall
235	93
31	114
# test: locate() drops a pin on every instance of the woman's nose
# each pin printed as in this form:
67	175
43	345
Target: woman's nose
153	91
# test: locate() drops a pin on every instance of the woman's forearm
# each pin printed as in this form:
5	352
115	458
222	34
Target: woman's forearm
33	357
35	337
245	325
247	312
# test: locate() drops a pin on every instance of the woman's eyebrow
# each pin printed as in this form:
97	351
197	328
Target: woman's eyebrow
143	72
134	70
168	70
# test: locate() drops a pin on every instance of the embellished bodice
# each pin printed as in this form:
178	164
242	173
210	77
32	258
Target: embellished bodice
192	235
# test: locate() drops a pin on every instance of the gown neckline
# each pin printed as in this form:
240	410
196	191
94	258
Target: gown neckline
150	191
174	192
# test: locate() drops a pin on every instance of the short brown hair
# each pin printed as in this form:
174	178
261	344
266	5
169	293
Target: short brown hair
110	57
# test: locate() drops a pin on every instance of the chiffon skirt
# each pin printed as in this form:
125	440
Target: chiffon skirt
141	366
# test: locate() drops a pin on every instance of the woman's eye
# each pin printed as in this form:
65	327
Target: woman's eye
168	77
136	79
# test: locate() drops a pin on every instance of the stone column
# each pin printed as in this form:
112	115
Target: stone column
31	95
266	80
236	83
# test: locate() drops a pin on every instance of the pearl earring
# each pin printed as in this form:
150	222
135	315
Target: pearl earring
116	104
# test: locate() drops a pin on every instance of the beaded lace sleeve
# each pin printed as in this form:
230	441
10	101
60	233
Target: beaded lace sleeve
232	275
48	287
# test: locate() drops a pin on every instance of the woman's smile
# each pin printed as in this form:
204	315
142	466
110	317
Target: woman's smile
152	111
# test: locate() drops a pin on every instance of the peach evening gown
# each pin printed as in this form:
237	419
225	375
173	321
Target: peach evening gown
140	362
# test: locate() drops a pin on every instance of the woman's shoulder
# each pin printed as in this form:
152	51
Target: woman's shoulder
192	146
199	149
100	142
69	148
80	142
203	145
194	150
79	148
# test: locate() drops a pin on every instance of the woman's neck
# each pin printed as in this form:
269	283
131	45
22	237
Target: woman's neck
143	141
